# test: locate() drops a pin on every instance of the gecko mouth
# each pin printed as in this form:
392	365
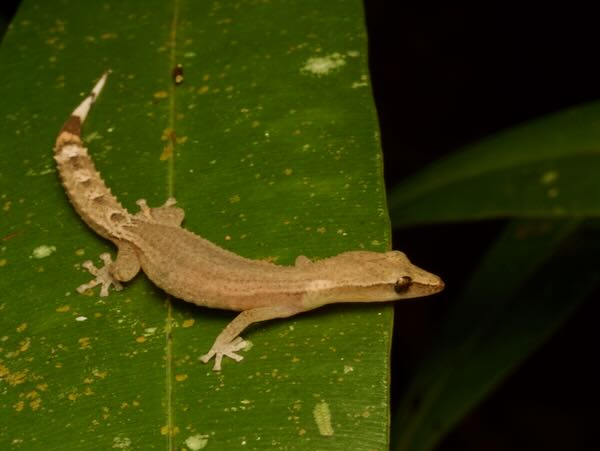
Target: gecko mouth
429	289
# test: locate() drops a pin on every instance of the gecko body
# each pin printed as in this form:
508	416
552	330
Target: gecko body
194	269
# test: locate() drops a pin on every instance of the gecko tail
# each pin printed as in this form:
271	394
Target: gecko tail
83	184
71	130
84	107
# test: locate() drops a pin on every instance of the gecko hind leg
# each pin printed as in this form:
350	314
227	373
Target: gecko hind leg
165	214
229	342
124	268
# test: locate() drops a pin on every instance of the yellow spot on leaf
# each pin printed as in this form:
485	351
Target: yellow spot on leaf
109	36
168	134
24	345
171	431
288	171
234	199
63	308
35	404
549	177
19	406
16	378
161	94
84	343
203	89
181	377
99	374
188	323
167	152
140	339
3	262
21	327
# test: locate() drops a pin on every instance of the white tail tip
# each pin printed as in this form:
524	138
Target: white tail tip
84	107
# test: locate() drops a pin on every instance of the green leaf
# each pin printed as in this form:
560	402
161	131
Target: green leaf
545	168
530	281
272	150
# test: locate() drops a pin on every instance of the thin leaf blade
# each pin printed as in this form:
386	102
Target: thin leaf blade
544	168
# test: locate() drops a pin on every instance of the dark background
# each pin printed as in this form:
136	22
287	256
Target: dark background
447	76
444	77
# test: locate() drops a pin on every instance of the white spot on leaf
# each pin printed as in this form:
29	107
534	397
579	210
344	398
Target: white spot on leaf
120	442
196	442
322	416
323	65
43	251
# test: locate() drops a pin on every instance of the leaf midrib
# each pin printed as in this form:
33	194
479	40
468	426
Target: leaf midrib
170	193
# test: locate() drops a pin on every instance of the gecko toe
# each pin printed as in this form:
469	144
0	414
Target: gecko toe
206	357
220	350
102	277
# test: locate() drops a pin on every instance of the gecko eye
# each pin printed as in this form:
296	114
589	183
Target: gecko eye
402	284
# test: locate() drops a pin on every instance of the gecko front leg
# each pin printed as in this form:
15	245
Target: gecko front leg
101	275
229	342
126	266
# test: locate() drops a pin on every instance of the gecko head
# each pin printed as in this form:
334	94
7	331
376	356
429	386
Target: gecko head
362	276
409	281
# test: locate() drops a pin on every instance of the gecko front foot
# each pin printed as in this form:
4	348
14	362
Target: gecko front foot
102	275
229	349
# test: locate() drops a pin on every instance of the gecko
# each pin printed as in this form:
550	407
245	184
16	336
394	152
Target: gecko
191	268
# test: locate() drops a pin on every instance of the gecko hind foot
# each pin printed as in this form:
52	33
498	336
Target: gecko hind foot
102	275
219	350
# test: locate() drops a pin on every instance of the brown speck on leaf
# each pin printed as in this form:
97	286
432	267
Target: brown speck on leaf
9	236
177	75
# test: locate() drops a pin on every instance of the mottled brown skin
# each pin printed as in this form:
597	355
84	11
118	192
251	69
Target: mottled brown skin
191	268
